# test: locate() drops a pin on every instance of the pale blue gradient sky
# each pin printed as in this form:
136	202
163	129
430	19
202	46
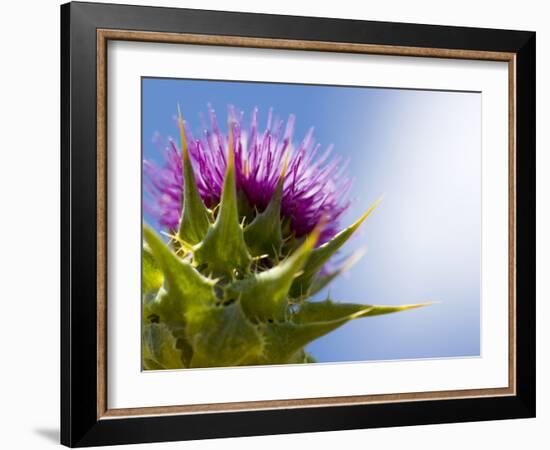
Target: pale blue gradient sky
421	150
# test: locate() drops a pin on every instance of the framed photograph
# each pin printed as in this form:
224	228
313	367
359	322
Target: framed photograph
276	224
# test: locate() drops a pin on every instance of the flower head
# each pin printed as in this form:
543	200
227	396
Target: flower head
315	185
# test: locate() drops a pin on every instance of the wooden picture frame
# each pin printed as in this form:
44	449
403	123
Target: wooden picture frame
86	418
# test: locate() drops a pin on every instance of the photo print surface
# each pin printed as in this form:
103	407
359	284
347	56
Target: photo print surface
296	224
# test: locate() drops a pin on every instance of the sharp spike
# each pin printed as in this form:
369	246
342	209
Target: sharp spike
367	213
285	166
182	135
231	155
194	221
224	248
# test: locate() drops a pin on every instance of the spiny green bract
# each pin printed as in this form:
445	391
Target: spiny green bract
227	292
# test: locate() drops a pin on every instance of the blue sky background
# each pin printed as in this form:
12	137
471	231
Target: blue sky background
421	150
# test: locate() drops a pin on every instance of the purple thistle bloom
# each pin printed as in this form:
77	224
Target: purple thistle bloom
315	184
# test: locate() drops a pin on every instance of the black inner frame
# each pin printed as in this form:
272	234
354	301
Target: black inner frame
79	423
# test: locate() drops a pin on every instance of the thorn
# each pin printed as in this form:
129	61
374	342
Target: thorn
283	171
289	238
174	238
428	303
313	237
182	135
275	251
285	163
231	156
168	235
367	213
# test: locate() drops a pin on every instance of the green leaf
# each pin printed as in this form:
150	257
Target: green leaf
195	219
284	339
222	336
320	256
223	249
264	236
264	295
151	275
328	310
312	321
159	348
185	288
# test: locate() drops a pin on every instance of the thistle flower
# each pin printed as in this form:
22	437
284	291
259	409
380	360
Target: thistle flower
233	286
315	185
